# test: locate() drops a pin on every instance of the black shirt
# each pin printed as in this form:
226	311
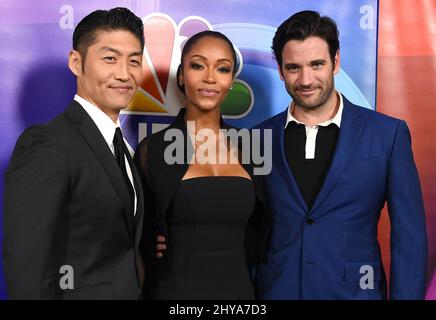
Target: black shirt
310	173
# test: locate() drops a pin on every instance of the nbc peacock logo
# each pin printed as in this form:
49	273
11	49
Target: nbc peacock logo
158	99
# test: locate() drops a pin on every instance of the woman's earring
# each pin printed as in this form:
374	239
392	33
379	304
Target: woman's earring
231	87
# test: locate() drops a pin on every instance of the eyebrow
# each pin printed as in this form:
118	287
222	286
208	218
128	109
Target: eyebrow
313	62
291	65
204	58
105	48
317	61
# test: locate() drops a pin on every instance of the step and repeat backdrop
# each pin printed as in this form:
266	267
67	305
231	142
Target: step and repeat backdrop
36	84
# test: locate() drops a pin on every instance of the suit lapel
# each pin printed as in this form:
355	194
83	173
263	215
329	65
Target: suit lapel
349	134
168	176
96	142
139	216
280	161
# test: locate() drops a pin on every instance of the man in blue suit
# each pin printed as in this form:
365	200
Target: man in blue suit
334	166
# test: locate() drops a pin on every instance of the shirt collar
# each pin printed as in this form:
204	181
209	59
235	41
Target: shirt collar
336	119
104	124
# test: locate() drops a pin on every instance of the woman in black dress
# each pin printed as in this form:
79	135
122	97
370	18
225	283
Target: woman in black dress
211	213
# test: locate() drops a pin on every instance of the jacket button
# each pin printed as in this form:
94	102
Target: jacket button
309	221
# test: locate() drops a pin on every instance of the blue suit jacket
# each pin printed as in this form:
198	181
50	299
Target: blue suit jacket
338	255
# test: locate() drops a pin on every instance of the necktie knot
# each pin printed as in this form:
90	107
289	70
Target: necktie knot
118	137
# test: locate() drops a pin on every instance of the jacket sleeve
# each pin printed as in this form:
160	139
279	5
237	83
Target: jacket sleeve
407	216
36	190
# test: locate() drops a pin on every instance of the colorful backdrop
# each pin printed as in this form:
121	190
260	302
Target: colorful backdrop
35	37
406	89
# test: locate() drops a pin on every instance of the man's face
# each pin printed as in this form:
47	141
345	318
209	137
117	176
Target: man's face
308	71
112	71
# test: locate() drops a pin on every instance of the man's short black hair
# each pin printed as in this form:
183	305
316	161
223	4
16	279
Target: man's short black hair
303	25
86	31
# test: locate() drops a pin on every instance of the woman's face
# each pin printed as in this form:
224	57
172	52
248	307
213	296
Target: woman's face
207	73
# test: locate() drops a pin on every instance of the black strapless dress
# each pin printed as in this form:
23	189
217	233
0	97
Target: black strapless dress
205	258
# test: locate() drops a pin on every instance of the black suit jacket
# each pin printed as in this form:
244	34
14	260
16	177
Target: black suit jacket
161	181
66	203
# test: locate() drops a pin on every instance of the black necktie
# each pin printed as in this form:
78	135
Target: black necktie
120	153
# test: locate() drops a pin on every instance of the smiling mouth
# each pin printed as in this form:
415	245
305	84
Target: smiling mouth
207	92
121	89
306	92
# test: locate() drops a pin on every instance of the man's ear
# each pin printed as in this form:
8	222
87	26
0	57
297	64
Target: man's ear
75	62
337	62
279	68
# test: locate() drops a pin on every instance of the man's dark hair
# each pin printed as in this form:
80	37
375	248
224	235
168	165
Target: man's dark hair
303	25
86	32
193	40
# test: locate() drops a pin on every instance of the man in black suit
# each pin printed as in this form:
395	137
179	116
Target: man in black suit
73	199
